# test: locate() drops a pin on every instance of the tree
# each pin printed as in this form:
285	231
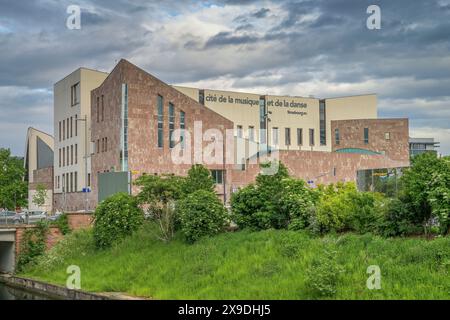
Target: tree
199	178
13	188
40	196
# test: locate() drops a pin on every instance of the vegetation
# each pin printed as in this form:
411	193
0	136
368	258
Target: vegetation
271	264
115	218
13	188
40	196
33	245
201	214
62	223
199	178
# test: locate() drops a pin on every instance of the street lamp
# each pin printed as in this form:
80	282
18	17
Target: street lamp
85	190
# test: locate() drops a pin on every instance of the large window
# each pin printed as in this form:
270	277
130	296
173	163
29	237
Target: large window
76	125
64	129
76	153
337	136
366	135
251	133
262	120
239	131
60	131
275	134
299	136
287	136
323	132
201	96
75	94
182	127
217	176
160	122
171	125
311	137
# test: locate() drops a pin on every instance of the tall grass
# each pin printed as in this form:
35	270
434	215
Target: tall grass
251	265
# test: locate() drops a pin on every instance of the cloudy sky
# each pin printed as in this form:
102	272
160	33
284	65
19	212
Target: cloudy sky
320	47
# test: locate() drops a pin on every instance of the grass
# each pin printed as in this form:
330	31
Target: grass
271	264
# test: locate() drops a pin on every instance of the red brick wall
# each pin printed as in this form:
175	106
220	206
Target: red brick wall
54	236
79	220
42	176
352	136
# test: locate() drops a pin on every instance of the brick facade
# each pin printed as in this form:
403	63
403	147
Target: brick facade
79	220
42	176
54	235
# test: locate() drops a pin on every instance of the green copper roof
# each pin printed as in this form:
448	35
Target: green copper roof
356	150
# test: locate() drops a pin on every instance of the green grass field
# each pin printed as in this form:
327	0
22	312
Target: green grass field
251	265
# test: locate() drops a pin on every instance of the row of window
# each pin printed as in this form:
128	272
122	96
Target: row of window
101	145
68	128
276	134
69	182
337	136
68	156
182	114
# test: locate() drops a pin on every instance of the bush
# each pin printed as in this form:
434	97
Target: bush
115	218
199	178
62	223
396	219
323	274
33	245
201	214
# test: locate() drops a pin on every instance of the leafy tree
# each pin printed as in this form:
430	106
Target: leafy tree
13	188
40	196
198	178
439	196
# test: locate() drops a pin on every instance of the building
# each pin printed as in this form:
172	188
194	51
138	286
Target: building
141	125
422	145
38	164
72	123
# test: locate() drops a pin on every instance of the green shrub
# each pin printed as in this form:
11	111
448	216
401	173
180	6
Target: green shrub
62	223
396	219
33	245
115	218
198	178
323	274
201	214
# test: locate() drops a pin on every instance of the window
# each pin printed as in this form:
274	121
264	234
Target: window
387	136
71	182
251	133
287	136
366	135
201	96
262	120
299	136
76	153
275	140
71	125
182	127
322	115
217	176
98	145
337	136
98	109
89	180
64	157
171	125
311	137
75	94
60	131
63	182
67	156
76	182
71	155
160	122
239	131
68	129
103	107
76	125
60	157
106	144
64	129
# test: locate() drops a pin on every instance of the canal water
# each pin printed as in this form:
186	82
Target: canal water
10	293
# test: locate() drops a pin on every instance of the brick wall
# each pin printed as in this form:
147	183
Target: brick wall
42	176
54	236
79	220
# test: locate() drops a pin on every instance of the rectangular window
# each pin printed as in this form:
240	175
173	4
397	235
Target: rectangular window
182	127
217	176
76	182
337	136
299	136
76	153
63	183
287	136
106	144
98	145
68	129
71	126
67	156
160	122
251	133
60	131
89	180
322	115
171	125
71	182
64	129
366	135
239	131
124	134
201	96
103	145
98	109
103	107
60	157
262	120
71	155
64	157
76	125
311	137
387	136
75	94
275	140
